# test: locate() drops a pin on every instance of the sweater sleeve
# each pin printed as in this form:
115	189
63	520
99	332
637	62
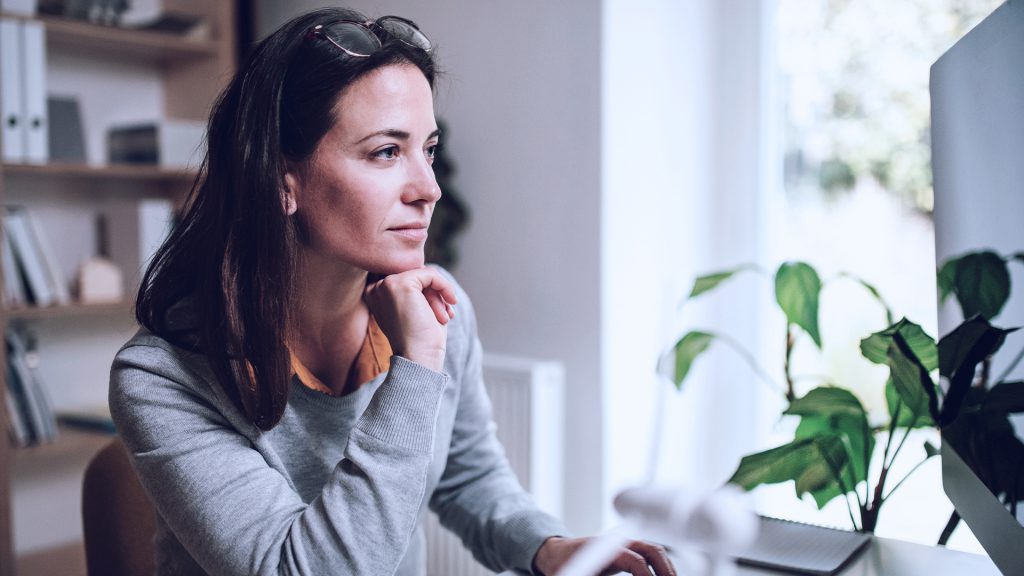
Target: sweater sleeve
235	514
478	496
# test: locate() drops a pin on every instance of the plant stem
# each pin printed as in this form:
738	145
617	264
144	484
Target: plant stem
837	474
892	431
790	393
1020	355
867	469
909	474
869	514
749	359
905	436
951	524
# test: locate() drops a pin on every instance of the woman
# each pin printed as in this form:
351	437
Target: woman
303	387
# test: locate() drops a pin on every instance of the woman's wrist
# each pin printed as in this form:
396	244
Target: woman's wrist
430	360
544	561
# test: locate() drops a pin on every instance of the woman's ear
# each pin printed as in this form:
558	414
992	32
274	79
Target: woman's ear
291	184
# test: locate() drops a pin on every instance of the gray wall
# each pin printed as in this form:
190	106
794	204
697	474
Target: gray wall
522	101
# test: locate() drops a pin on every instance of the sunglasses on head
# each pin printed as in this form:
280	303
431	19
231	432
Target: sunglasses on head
362	39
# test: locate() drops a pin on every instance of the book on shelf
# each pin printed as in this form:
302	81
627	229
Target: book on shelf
36	410
34	258
14	290
54	275
17	427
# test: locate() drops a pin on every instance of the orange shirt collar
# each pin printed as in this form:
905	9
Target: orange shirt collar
373	359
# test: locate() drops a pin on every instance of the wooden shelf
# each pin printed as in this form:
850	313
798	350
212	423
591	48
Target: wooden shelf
66	560
112	41
126	172
71	311
70	443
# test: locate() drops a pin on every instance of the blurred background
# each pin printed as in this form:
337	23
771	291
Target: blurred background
607	153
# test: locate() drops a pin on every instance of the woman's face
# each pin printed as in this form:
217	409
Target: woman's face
366	195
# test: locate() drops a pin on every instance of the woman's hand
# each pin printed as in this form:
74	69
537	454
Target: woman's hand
638	558
413	309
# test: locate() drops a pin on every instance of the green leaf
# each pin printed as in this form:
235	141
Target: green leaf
711	281
829	411
906	417
797	288
958	346
930	449
946	278
826	401
686	350
911	381
982	284
960	352
876	347
809	462
1005	398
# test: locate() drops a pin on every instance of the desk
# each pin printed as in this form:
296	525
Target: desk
885	557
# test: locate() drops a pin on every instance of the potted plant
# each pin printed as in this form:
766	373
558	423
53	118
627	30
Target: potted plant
830	455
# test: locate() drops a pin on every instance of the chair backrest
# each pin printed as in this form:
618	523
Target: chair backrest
118	519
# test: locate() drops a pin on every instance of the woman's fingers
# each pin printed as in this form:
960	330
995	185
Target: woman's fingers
639	558
656	556
412	308
629	561
443	311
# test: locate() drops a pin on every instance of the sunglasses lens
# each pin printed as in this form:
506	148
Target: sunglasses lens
405	31
352	38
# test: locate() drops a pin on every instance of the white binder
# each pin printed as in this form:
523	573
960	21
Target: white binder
21	7
13	136
37	140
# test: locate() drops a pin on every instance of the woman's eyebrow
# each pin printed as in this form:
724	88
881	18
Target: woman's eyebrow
395	133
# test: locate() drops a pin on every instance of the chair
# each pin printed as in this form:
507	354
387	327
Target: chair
118	519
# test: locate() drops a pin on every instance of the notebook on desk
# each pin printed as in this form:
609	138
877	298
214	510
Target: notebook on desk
803	548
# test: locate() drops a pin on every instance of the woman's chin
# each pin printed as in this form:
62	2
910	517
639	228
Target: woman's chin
398	266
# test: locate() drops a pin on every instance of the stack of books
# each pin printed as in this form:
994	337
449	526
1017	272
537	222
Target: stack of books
31	273
30	416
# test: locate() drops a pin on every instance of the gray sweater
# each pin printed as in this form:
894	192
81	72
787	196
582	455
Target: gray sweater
341	485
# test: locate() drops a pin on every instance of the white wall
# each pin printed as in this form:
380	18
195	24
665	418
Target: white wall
683	179
522	101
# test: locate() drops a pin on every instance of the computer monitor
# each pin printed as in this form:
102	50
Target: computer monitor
977	96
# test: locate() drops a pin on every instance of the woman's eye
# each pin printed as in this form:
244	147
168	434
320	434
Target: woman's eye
389	153
432	151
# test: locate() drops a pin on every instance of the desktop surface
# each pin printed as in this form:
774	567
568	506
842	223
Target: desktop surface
888	557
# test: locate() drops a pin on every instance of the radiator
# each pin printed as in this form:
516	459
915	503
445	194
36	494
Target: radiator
528	400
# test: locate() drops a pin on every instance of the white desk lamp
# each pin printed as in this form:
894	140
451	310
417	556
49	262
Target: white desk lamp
714	526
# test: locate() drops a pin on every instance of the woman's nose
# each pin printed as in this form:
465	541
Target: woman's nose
422	185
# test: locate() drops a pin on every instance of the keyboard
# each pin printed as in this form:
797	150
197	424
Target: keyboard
800	548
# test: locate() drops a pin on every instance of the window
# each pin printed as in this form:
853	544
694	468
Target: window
851	89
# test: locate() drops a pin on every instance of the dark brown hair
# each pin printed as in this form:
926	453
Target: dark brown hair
221	283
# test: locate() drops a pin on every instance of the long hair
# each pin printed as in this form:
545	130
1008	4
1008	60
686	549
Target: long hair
221	283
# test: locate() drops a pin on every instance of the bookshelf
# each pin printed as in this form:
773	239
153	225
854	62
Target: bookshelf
100	173
116	75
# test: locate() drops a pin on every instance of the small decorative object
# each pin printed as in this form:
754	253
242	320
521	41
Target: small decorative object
100	281
175	23
167	143
105	12
830	456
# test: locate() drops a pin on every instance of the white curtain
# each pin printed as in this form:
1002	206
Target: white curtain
684	173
